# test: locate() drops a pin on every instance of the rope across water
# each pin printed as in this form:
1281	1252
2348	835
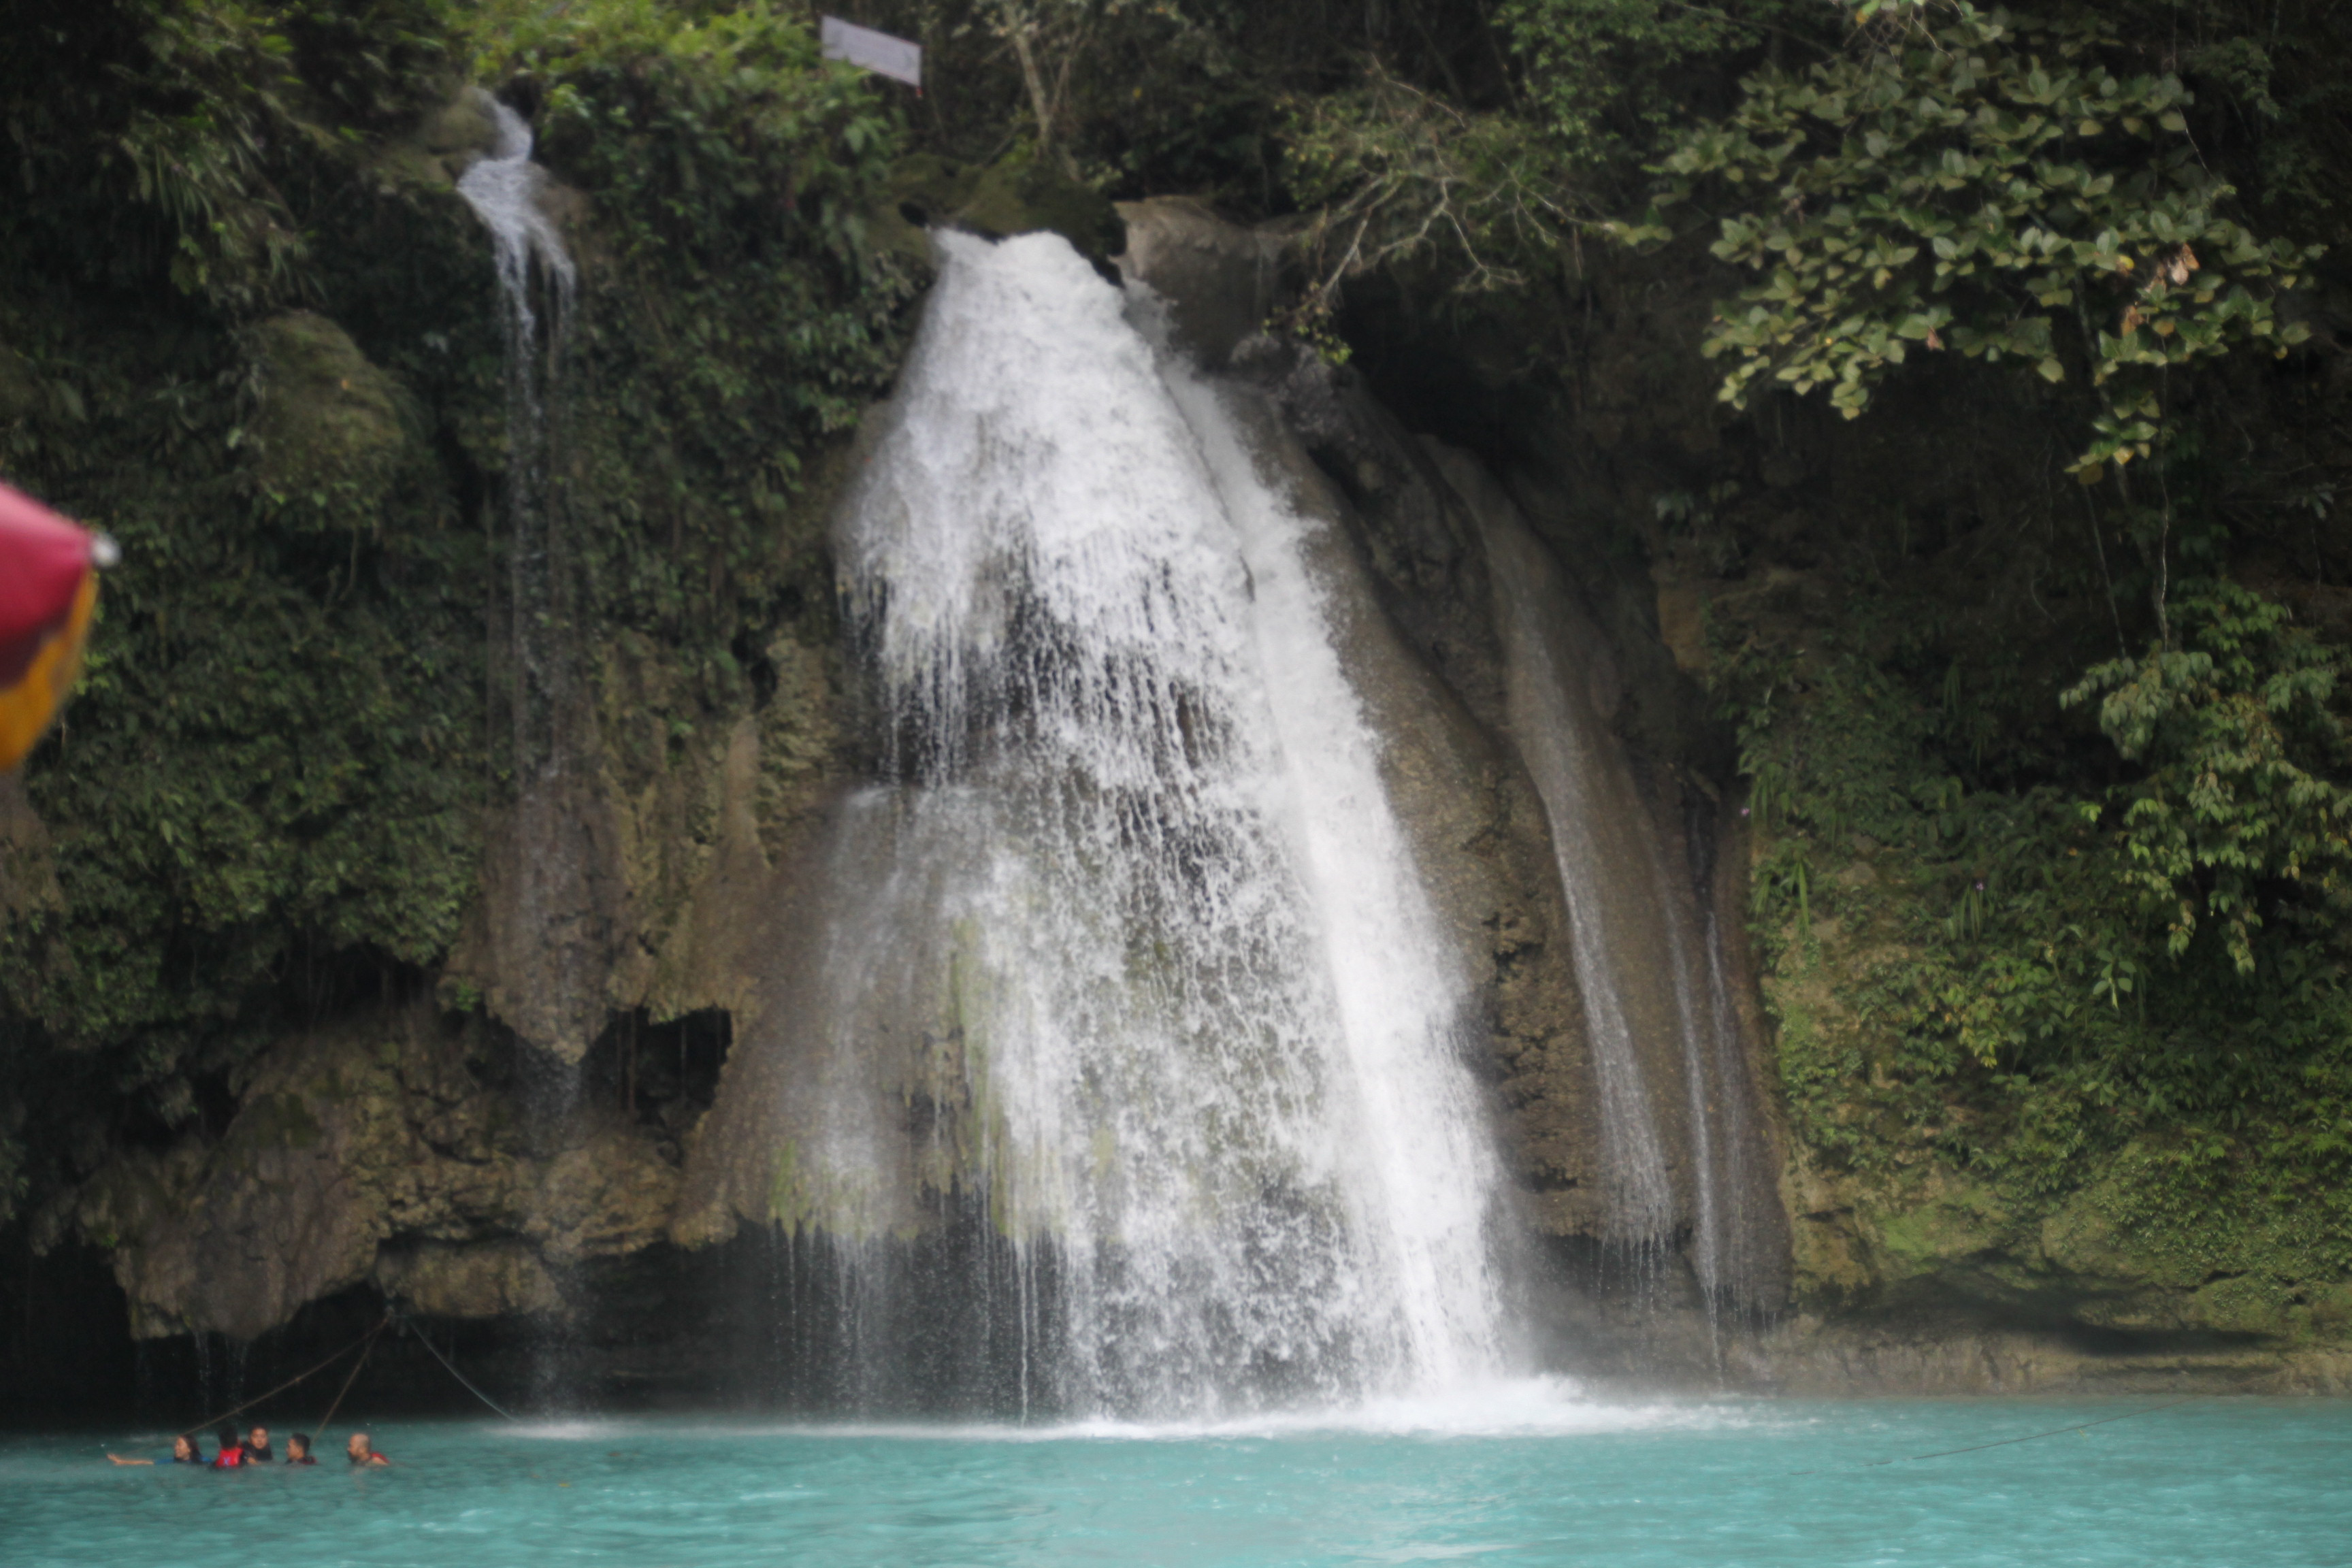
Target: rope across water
2001	1443
237	1409
355	1376
365	1344
425	1340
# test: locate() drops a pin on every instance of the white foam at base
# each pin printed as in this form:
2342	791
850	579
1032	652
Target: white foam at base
1499	1408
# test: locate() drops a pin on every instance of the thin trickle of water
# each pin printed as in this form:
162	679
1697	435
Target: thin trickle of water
504	190
1736	1272
1730	1253
1559	741
1750	1274
1134	920
1680	1129
1698	1023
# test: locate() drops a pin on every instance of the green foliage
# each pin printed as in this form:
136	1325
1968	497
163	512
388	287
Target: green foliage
268	800
706	132
745	319
1397	175
1991	185
157	137
270	780
1599	76
1969	972
1399	178
2237	810
276	753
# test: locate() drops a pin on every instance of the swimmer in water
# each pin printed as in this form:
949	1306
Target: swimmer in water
298	1450
361	1453
184	1452
257	1447
232	1452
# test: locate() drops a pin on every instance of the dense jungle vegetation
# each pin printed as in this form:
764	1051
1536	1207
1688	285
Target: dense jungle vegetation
1979	371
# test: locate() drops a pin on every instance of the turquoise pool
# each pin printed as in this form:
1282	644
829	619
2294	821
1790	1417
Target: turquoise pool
1531	1475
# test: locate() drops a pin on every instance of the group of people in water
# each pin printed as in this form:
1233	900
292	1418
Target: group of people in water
253	1448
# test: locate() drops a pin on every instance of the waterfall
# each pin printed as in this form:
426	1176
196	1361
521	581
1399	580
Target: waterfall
504	189
554	882
1742	1252
1607	877
1701	1013
535	922
1127	951
1680	1124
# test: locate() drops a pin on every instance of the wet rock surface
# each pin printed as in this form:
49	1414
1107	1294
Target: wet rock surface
396	1151
403	1154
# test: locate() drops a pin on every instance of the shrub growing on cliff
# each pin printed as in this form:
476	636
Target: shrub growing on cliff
1992	186
2240	811
155	136
267	783
2029	985
1472	196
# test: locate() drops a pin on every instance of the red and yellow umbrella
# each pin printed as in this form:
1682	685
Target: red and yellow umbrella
49	585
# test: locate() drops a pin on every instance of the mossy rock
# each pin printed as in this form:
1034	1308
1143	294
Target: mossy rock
1015	194
448	139
467	123
2083	1237
330	429
1955	1222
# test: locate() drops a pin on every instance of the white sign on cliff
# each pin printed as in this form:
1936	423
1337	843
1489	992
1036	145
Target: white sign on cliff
877	52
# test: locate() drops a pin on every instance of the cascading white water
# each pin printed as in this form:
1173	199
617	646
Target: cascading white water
1134	903
504	188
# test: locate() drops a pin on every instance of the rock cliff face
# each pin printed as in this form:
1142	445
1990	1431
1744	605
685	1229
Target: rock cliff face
452	1159
475	1151
394	1150
469	1133
1906	1269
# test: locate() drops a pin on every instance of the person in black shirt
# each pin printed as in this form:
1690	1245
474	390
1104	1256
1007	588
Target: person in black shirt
257	1447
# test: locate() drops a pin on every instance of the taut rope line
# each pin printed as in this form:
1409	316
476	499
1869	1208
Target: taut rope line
329	1415
391	1315
426	1341
239	1409
2003	1442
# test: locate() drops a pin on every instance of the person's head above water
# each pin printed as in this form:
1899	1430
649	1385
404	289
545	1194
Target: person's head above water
227	1436
258	1439
185	1450
361	1452
297	1447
